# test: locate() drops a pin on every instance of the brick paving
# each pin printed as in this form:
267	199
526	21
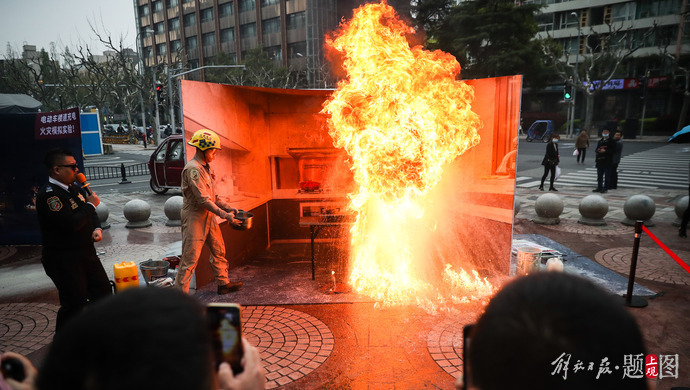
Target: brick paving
652	264
26	327
444	343
291	343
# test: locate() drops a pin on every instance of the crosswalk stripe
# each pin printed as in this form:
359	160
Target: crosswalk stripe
662	167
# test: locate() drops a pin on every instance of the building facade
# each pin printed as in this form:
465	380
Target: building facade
652	27
291	32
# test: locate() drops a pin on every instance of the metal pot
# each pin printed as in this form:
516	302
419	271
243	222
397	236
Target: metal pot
246	218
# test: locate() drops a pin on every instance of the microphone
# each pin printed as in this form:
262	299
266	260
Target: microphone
81	179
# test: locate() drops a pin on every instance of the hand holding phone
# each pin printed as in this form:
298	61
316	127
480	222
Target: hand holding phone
225	327
253	376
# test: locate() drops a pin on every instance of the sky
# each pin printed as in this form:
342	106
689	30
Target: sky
65	22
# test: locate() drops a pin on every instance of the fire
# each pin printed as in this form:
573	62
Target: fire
402	116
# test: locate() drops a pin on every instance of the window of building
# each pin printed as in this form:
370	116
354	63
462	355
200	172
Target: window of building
622	12
144	10
191	43
157	6
270	26
226	9
209	39
206	15
266	3
248	30
174	24
648	9
296	20
161	49
159	28
567	20
187	1
175	45
247	5
227	35
170	3
544	22
297	49
190	20
273	53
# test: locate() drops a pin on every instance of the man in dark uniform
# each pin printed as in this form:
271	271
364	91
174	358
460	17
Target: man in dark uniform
69	226
604	162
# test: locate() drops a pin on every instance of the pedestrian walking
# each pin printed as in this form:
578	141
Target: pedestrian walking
617	153
550	161
200	206
581	145
69	227
604	161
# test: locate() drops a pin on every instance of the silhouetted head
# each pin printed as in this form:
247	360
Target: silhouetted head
538	319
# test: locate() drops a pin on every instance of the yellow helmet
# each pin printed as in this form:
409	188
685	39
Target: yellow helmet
205	139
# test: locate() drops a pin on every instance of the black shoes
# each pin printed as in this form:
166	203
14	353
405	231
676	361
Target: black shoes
603	191
682	233
230	287
541	187
552	189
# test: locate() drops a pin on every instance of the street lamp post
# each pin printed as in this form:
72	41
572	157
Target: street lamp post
575	78
141	81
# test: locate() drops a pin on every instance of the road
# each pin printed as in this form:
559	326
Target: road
127	157
644	165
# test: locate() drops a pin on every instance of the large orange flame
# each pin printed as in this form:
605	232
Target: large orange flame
402	116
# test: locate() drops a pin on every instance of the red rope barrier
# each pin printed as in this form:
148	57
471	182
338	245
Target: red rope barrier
665	248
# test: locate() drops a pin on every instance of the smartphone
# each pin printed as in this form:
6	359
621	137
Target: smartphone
466	379
225	327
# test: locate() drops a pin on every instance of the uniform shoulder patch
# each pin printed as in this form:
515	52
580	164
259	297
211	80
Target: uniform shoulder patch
54	203
194	174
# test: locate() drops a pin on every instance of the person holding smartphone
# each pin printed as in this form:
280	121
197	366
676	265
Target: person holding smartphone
145	338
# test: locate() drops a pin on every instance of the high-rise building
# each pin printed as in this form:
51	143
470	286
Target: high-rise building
648	36
561	19
291	32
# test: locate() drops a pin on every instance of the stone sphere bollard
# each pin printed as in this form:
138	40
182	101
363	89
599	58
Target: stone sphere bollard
593	209
137	213
680	208
172	210
103	214
639	207
548	207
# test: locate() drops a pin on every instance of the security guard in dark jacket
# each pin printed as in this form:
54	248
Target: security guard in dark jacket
69	226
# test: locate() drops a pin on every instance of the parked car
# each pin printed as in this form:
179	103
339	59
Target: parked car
166	164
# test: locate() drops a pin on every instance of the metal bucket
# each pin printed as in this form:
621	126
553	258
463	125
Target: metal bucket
528	260
154	269
246	218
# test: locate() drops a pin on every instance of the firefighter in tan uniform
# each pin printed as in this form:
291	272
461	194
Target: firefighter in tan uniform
200	207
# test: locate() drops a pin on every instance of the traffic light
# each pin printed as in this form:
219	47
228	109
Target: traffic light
568	91
159	93
643	87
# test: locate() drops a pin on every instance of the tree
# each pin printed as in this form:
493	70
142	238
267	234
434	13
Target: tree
259	71
606	49
490	38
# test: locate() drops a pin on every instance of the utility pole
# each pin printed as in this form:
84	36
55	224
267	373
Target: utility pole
575	78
